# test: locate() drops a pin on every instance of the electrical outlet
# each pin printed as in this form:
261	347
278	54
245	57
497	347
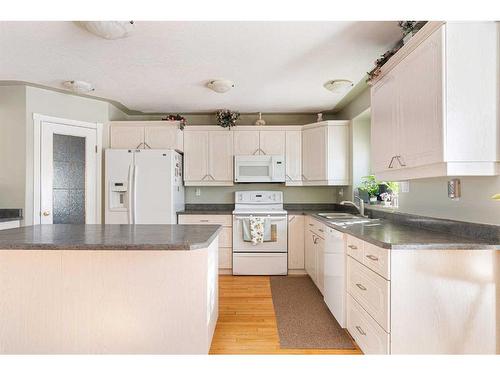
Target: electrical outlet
404	186
341	192
197	192
454	189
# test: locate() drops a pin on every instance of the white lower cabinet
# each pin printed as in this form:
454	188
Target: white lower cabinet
314	251
296	242
370	337
225	236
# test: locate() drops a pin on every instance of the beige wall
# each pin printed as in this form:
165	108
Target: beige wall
12	146
291	194
428	196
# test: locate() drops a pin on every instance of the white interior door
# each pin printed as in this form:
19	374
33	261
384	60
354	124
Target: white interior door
68	188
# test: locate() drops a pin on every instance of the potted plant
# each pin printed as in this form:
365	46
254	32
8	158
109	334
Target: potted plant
227	118
370	185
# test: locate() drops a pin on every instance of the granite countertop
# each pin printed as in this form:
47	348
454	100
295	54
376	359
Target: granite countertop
109	237
393	235
10	214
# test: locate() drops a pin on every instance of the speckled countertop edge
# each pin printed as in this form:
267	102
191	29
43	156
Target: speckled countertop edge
94	246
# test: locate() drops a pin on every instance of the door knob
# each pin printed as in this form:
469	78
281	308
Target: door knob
46	213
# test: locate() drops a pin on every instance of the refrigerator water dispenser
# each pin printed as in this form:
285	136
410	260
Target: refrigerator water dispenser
117	195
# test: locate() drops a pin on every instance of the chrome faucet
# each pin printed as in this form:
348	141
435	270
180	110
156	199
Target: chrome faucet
360	208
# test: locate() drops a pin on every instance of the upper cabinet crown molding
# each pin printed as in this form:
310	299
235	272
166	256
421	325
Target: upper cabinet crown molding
434	108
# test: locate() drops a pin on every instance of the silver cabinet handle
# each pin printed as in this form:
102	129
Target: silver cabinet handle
361	286
204	177
291	218
390	164
304	178
321	230
372	257
288	177
212	177
352	247
204	221
146	145
311	225
403	164
139	145
261	150
360	330
256	151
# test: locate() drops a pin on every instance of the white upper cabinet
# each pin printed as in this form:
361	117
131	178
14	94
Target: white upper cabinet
434	106
126	136
259	142
208	156
325	153
146	134
246	142
293	157
272	142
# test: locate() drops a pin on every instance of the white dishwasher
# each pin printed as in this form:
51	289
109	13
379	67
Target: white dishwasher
335	265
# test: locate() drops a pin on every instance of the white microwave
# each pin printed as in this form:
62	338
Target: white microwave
259	168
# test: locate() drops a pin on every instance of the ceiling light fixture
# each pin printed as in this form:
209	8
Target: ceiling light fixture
109	29
220	85
80	87
338	86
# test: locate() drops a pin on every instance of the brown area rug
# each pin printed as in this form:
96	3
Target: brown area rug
304	320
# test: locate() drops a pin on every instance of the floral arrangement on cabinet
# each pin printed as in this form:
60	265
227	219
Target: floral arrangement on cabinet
226	118
387	190
182	120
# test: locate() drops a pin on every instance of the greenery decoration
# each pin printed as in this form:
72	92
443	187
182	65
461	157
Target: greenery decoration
370	185
227	118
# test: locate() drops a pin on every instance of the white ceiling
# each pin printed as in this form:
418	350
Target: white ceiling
164	66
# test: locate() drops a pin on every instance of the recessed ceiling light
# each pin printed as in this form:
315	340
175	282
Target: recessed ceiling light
338	86
80	87
220	85
109	29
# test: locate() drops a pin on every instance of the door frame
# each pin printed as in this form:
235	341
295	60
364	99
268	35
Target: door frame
38	120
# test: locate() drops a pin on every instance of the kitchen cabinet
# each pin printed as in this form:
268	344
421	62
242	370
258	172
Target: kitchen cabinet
325	153
293	157
296	242
225	237
208	157
314	251
255	142
445	125
13	224
146	134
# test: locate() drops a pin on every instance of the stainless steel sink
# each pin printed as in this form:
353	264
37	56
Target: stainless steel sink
352	221
336	215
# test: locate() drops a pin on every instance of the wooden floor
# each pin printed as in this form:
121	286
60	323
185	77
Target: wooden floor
247	323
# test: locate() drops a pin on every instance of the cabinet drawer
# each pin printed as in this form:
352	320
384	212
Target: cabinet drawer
369	336
224	220
225	257
226	237
354	247
377	259
370	290
316	226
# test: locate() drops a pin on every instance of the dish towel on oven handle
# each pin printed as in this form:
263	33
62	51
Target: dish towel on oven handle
256	230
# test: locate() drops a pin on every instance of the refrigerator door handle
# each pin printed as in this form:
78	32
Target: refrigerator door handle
134	204
130	192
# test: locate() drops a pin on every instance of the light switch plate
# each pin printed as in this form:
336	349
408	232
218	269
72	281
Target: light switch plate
197	192
404	186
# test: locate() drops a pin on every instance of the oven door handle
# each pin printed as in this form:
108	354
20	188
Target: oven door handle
272	218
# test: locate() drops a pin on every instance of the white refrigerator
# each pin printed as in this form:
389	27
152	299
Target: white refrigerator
143	186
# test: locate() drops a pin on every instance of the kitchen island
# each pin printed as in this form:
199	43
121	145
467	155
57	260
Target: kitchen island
142	289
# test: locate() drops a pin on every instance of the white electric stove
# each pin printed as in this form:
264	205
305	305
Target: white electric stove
270	256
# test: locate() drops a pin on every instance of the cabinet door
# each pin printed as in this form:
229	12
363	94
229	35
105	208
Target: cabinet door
126	137
320	264
166	136
296	242
195	155
384	124
272	142
421	108
293	155
314	153
310	254
220	156
246	142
